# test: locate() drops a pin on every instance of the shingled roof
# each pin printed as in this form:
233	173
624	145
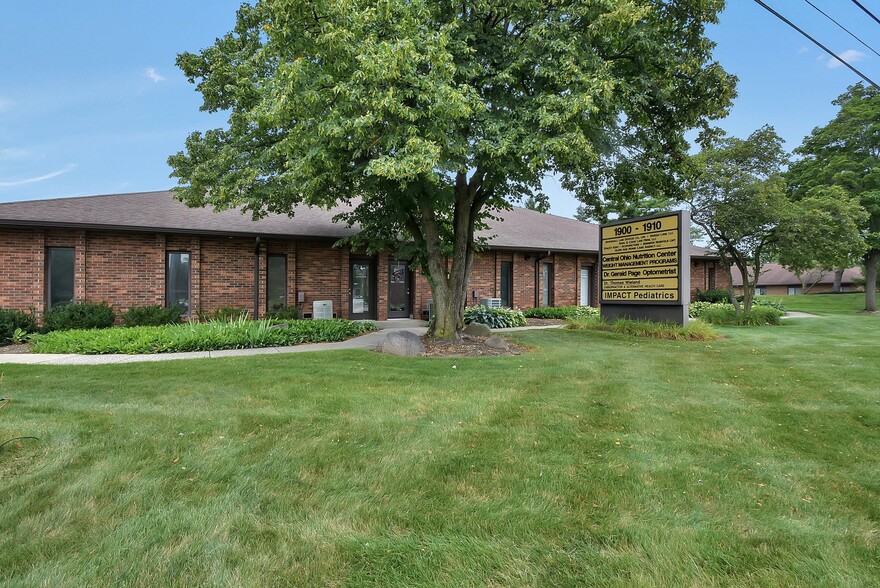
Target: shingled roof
518	228
773	274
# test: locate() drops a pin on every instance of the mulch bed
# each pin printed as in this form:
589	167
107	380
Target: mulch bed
15	349
539	322
467	347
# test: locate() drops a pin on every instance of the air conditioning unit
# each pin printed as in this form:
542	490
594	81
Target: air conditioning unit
430	309
490	302
322	309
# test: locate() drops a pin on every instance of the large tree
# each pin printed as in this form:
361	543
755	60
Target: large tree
822	232
428	115
845	153
737	195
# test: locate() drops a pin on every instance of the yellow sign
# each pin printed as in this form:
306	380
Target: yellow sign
640	260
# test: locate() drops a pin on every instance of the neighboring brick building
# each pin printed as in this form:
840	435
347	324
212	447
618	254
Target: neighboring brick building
143	249
776	280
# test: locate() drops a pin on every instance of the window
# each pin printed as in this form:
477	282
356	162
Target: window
585	286
761	290
59	276
547	284
276	282
506	284
794	289
711	278
177	278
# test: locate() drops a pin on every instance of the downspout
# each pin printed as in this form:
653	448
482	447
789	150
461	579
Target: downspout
257	279
538	278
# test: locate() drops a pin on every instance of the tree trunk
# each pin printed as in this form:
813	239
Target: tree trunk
449	283
838	278
749	283
871	260
448	313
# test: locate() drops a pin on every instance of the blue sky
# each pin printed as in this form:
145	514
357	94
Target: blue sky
92	103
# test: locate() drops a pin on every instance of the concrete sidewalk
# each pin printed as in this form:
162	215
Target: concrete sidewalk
367	341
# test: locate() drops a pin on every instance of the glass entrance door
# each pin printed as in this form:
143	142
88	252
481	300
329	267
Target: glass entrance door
399	305
585	286
363	289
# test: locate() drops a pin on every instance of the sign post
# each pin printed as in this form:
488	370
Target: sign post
645	268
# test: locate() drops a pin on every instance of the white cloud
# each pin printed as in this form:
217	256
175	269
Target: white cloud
803	50
850	56
14	154
49	176
154	75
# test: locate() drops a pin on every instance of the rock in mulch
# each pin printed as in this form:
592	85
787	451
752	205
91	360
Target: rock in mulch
497	342
477	330
403	343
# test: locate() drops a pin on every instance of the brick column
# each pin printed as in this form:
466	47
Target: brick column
382	268
344	284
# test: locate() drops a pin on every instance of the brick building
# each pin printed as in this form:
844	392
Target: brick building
775	280
143	249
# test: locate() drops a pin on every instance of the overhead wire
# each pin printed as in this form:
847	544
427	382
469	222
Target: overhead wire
823	47
850	33
868	12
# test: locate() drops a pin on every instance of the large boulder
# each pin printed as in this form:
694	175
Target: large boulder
404	343
477	330
497	342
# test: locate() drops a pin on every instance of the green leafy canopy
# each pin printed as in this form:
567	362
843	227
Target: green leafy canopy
426	116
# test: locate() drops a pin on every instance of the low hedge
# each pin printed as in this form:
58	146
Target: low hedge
560	312
79	315
698	309
756	317
194	336
15	320
152	316
494	318
715	295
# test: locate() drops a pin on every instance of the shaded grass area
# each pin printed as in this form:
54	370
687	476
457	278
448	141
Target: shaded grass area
597	459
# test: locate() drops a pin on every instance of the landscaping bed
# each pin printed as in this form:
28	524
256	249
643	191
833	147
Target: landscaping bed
467	347
211	336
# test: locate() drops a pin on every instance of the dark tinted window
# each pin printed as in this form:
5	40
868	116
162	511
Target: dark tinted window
507	284
276	283
177	274
59	277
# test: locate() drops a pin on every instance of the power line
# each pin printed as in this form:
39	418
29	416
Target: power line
850	33
824	48
868	12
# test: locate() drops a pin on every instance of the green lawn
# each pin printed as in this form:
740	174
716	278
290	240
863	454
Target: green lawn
597	459
823	303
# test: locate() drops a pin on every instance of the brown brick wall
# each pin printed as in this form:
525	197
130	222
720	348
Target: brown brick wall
22	269
322	274
128	269
700	276
226	270
122	271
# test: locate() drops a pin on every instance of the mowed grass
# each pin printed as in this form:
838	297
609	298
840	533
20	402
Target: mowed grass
597	459
824	303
